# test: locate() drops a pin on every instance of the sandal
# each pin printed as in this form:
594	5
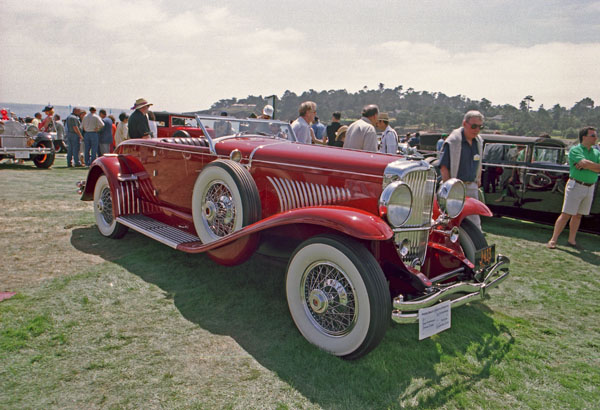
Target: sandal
551	245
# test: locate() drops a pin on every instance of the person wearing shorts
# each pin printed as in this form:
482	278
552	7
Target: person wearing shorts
584	163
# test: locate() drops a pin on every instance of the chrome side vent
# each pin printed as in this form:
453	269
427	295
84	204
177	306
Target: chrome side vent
298	194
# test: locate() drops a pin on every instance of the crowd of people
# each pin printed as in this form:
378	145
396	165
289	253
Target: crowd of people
460	153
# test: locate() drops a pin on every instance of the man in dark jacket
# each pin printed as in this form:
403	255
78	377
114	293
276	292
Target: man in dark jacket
106	136
138	121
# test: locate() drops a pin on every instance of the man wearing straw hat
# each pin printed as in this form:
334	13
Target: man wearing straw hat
138	121
389	138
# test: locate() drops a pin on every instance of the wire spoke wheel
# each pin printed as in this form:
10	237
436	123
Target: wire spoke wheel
338	296
103	211
219	209
329	298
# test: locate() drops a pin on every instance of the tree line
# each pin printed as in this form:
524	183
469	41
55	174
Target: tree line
411	110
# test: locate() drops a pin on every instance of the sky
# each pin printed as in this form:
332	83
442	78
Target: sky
184	55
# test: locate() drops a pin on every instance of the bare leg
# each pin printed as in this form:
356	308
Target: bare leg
574	227
560	224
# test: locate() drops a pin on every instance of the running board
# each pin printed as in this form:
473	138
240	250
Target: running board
157	230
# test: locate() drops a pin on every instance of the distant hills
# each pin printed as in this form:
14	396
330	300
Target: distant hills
412	110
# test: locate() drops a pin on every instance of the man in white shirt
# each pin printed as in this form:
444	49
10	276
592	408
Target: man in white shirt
389	138
361	133
301	125
92	124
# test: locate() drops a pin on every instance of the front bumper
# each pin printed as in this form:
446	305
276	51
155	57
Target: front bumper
459	293
11	151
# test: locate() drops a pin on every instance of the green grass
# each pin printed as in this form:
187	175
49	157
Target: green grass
133	323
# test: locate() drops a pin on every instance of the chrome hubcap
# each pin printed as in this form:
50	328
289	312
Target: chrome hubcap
329	298
218	209
318	301
104	206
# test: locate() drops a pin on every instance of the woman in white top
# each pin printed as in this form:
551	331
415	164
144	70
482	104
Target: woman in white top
122	129
153	125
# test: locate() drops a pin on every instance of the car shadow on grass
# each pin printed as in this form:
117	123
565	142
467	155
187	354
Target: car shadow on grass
248	303
532	232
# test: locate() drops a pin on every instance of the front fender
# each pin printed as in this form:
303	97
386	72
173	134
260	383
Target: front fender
350	221
473	207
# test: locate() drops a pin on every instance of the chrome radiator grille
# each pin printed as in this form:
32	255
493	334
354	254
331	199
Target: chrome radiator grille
422	184
416	229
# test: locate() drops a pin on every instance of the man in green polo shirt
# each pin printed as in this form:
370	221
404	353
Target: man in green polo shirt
584	163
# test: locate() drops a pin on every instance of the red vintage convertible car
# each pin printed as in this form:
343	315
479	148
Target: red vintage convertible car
366	236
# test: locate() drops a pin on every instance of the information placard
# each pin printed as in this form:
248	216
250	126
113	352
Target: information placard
434	319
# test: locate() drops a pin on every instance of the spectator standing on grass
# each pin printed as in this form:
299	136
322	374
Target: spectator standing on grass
301	125
415	140
122	129
92	124
584	166
153	125
340	136
106	136
138	121
361	133
461	156
37	119
267	112
47	125
319	131
389	138
74	138
439	144
60	128
333	127
114	131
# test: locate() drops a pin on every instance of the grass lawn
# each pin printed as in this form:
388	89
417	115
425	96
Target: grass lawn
131	323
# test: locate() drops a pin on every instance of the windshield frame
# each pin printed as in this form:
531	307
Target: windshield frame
203	121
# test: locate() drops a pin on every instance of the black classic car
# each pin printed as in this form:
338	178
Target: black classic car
525	177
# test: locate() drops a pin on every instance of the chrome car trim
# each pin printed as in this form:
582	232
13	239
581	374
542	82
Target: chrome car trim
420	177
127	177
407	311
251	156
299	194
398	170
157	230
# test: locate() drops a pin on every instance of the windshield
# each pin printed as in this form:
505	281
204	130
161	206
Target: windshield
218	127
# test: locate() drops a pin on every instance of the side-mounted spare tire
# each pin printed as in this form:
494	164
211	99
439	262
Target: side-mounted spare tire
225	199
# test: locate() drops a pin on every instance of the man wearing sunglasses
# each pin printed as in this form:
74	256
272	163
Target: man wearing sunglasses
461	156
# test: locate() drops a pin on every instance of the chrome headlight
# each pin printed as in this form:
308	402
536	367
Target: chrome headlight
32	131
451	197
395	203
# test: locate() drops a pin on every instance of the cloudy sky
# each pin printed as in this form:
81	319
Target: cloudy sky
184	55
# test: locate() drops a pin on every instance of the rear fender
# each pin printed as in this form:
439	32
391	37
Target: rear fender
126	176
